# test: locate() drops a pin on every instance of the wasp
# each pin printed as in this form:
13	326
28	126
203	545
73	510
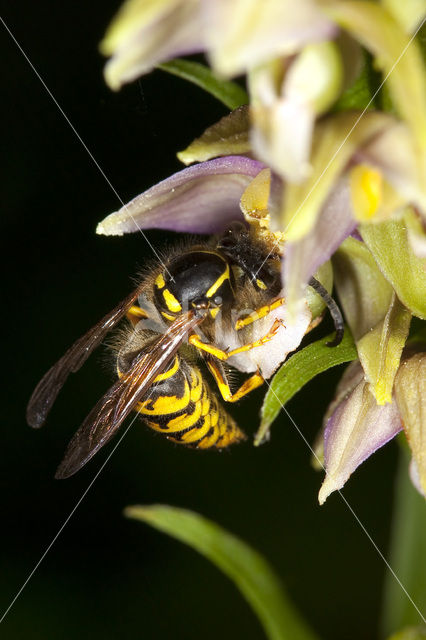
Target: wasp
191	294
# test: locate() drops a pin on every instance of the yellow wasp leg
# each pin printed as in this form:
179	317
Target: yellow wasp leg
256	380
196	341
258	314
135	314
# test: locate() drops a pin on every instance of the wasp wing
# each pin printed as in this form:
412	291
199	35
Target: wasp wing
45	393
108	414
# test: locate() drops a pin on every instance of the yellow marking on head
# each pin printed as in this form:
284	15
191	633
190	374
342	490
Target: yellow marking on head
215	286
214	311
261	284
167	316
171	302
159	281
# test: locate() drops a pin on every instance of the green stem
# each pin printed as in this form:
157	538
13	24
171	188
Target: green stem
407	556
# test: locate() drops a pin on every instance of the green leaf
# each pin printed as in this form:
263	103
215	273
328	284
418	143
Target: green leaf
390	245
245	566
298	371
229	136
407	558
228	92
410	633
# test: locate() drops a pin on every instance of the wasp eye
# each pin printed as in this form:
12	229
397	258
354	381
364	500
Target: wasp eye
217	300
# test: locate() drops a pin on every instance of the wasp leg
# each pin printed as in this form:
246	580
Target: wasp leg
256	380
196	341
135	314
258	314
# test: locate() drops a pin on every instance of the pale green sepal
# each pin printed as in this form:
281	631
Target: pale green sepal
298	371
409	13
378	321
364	294
316	76
334	142
389	242
410	394
228	137
228	92
243	565
380	350
396	54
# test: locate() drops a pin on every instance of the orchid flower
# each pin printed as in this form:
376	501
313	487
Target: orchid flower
356	426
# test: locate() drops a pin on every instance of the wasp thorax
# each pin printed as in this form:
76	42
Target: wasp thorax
195	280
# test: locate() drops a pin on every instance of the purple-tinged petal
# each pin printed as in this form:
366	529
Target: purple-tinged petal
357	428
200	199
303	258
143	35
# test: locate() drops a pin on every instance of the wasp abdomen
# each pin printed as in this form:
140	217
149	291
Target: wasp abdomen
182	406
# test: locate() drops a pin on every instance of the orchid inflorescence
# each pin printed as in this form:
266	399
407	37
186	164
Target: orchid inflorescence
329	171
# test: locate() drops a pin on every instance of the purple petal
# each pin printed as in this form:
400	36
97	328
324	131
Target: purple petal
357	428
139	40
302	258
200	199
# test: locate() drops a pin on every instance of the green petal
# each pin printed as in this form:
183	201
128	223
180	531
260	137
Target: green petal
390	245
334	142
378	321
245	566
298	371
396	55
228	137
380	350
228	92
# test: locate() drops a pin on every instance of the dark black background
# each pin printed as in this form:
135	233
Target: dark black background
106	577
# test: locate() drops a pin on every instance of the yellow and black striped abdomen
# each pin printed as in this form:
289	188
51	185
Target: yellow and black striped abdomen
182	406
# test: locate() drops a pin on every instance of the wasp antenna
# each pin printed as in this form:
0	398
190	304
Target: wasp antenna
335	312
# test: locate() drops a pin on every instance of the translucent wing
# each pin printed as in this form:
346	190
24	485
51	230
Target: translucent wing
45	393
106	417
